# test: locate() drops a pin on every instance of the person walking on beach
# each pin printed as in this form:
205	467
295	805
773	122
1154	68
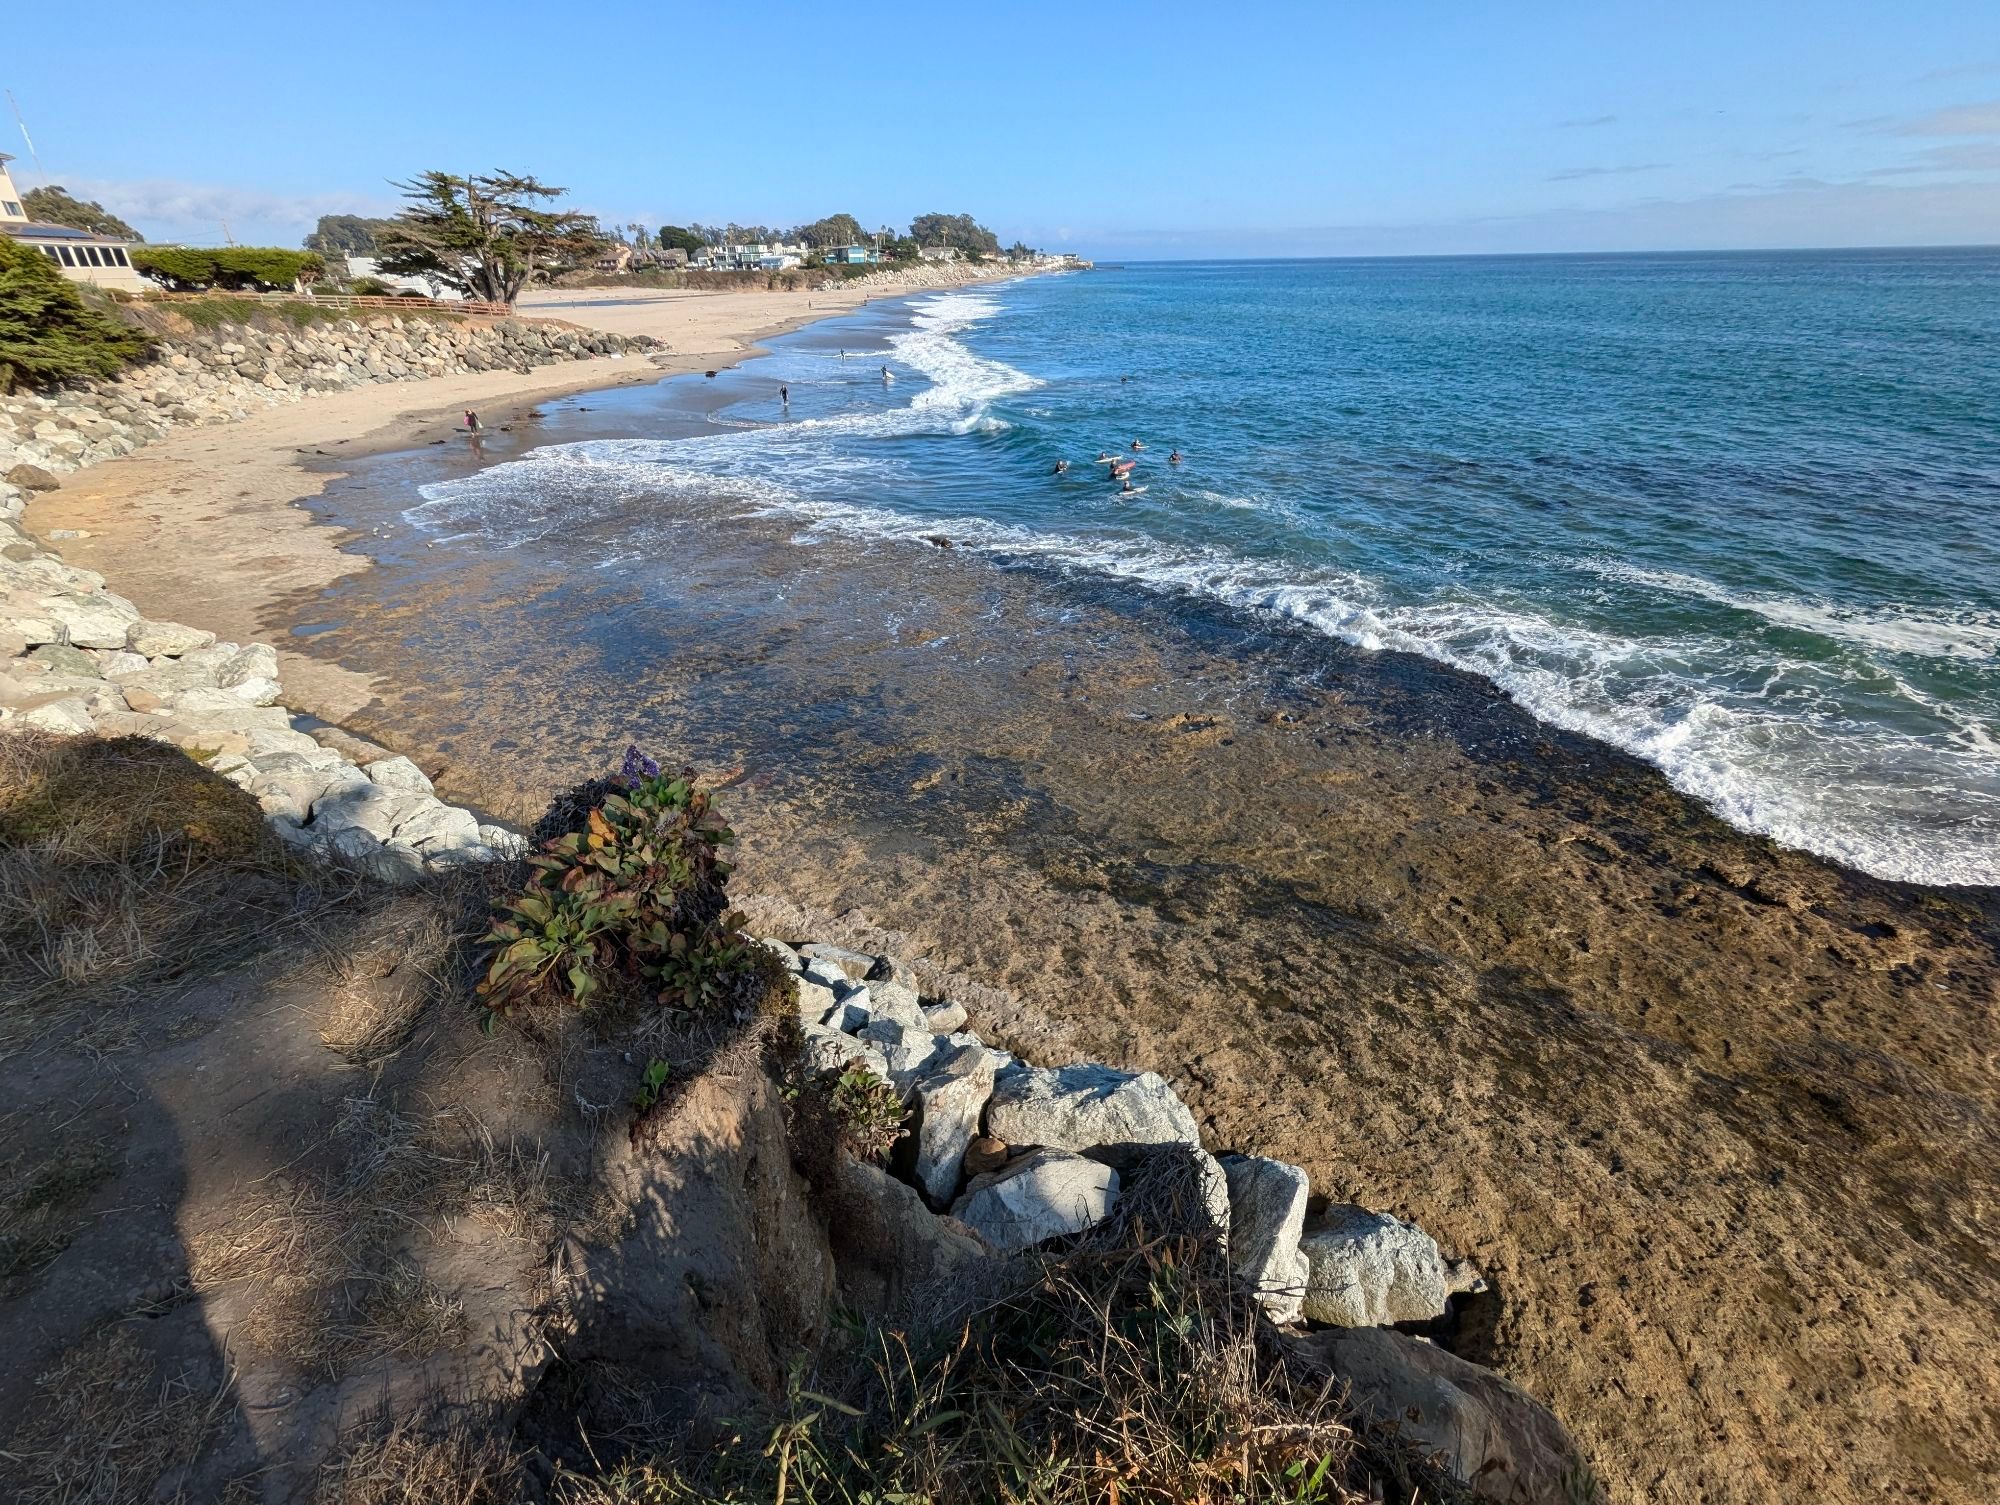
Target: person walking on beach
471	421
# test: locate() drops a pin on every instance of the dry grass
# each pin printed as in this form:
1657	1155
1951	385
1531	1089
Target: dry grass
126	864
334	1256
109	1428
458	1457
39	1197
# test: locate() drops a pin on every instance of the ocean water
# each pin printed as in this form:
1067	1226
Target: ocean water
1738	515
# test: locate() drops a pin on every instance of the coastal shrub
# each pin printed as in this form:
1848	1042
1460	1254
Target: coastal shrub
49	333
630	900
869	1114
369	287
195	269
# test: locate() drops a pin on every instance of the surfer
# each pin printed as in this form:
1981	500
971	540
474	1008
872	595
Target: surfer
1138	444
1123	468
784	396
1104	457
1174	458
1060	467
1128	489
886	377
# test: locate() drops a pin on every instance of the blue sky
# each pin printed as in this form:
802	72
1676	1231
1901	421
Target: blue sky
1117	130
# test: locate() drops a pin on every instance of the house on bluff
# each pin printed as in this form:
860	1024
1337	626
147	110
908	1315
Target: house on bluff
83	255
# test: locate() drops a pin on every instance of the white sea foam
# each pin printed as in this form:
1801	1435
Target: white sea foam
1929	632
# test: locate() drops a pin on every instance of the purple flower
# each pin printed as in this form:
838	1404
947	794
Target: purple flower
638	766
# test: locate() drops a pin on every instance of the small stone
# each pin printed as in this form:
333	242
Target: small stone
1040	1196
944	1017
855	964
985	1155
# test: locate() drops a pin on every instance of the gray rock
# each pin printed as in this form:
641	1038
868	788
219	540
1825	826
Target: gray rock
259	691
365	807
901	1047
1508	1447
63	718
64	659
112	662
503	842
90	621
829	973
398	773
849	1015
1040	1196
816	1002
830	1050
1087	1107
436	827
1367	1269
1267	1214
856	965
783	953
950	1097
892	998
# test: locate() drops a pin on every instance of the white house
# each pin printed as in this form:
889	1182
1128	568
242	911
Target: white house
938	253
83	255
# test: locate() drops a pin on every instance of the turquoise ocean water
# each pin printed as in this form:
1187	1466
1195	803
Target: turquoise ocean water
1736	514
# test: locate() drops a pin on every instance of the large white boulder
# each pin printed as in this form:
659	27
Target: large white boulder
1367	1269
949	1098
1040	1196
1267	1214
854	965
171	639
91	621
1087	1107
398	773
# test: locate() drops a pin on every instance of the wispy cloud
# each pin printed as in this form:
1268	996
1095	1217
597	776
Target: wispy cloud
1584	122
1959	156
1571	174
168	207
1981	119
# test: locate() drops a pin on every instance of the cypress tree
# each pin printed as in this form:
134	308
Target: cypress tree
48	333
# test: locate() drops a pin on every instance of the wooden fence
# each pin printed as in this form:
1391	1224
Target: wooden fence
344	300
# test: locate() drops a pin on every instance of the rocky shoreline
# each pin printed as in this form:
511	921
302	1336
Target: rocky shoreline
1001	1156
77	658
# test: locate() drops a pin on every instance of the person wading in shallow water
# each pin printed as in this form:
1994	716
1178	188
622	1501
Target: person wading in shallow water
471	421
784	397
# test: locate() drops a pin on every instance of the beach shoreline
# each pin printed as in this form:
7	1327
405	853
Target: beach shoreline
209	525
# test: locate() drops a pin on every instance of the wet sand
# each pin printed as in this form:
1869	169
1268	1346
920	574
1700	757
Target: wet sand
1717	1119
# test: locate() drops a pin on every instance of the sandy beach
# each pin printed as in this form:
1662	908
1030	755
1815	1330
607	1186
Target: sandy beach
203	526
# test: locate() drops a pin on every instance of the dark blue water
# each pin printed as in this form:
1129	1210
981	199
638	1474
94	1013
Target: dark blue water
1737	514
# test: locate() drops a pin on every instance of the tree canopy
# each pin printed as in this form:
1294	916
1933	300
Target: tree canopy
54	206
194	269
486	235
345	235
675	238
834	230
48	333
958	230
